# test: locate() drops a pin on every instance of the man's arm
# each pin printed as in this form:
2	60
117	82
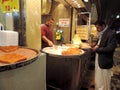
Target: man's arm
50	43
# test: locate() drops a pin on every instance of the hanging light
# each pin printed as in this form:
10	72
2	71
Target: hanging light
85	0
118	16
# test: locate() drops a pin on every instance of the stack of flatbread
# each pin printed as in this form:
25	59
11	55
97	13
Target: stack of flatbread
72	51
12	58
8	48
13	54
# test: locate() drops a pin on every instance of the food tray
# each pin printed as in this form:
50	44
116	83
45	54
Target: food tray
57	51
5	67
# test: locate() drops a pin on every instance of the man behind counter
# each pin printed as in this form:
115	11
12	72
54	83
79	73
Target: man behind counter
46	33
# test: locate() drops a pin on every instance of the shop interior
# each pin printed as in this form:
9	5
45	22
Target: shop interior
48	69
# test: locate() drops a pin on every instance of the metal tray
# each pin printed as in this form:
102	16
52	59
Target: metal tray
5	67
57	52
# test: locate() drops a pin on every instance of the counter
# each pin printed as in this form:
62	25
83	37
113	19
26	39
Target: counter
66	72
26	75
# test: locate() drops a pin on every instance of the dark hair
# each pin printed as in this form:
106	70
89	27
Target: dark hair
100	23
49	18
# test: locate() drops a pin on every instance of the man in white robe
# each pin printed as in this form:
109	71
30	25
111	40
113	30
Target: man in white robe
104	56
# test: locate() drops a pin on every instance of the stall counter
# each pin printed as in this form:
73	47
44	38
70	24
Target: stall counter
30	75
65	72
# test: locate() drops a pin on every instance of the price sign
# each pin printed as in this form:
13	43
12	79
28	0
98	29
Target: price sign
9	5
64	22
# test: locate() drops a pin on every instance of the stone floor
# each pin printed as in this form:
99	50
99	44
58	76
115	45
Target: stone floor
115	80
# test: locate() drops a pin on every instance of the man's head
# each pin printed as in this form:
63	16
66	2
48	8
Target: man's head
100	25
50	21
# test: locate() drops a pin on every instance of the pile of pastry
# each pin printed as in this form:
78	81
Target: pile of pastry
13	54
72	51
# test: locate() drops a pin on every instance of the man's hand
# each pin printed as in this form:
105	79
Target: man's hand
94	48
50	43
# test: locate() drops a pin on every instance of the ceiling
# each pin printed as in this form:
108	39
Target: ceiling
72	3
107	9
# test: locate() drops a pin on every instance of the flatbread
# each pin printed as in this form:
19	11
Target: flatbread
8	48
71	51
12	58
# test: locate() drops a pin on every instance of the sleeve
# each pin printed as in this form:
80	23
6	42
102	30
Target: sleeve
43	30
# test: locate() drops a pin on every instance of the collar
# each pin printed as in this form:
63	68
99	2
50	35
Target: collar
47	25
101	33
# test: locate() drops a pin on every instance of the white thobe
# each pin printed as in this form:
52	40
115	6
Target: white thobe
102	77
